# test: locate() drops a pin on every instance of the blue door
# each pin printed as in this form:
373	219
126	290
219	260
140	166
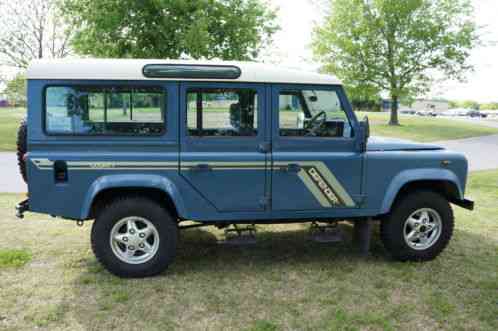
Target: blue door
316	162
224	149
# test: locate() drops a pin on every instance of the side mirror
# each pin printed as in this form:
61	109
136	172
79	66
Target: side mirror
365	133
366	124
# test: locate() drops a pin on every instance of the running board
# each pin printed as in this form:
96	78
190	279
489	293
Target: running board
240	235
326	232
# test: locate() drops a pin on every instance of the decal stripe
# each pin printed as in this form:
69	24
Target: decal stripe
313	185
336	186
314	189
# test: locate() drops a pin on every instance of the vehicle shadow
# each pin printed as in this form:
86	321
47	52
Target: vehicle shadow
200	249
286	260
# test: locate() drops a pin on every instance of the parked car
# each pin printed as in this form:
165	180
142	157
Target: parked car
408	112
429	113
476	113
140	147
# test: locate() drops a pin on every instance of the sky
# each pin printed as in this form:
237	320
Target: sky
298	17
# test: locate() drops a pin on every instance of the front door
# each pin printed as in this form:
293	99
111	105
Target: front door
316	164
223	154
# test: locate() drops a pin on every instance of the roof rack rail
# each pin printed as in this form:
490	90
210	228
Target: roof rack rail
191	71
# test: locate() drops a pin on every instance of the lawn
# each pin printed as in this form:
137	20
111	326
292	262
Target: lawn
424	129
9	122
51	281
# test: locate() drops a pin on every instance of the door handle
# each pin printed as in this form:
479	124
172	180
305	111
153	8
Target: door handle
292	167
264	147
201	167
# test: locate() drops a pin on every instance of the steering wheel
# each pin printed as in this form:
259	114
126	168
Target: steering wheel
316	123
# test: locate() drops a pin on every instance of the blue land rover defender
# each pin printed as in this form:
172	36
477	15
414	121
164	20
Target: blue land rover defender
144	146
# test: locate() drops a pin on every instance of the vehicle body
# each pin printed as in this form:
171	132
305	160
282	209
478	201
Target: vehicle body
429	113
408	112
476	113
132	142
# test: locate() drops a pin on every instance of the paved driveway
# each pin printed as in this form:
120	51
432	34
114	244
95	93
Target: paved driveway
10	178
482	153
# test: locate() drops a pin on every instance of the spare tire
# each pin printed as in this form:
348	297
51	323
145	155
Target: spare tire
22	148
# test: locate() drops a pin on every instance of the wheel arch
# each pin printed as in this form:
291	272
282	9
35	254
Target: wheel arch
442	181
154	187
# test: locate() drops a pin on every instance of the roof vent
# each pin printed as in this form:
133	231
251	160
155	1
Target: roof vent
191	71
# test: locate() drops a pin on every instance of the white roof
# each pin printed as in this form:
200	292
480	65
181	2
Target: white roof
131	69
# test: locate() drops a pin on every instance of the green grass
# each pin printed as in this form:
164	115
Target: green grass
425	129
285	282
9	123
13	258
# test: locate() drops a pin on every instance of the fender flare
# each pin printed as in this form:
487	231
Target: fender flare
413	175
132	180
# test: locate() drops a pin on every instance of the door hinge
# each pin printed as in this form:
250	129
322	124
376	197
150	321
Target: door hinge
264	202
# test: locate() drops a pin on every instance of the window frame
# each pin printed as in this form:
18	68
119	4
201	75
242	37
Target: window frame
346	107
164	109
200	85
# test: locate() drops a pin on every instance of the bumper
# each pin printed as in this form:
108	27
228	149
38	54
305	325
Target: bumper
465	203
21	208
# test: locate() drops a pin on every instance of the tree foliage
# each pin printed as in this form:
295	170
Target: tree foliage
489	106
226	29
31	29
15	91
364	97
395	45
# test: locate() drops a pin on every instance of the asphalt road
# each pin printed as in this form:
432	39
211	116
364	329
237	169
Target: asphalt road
11	180
482	153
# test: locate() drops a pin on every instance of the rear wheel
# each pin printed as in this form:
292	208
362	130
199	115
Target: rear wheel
134	237
419	227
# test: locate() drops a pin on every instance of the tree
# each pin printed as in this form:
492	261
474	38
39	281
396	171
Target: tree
364	96
470	104
489	106
15	91
395	45
31	29
226	29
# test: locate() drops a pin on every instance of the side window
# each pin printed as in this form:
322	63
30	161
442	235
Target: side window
312	113
222	112
90	110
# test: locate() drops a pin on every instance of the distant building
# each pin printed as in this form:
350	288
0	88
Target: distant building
418	105
427	105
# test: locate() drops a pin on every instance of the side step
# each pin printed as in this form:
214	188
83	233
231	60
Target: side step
240	235
326	232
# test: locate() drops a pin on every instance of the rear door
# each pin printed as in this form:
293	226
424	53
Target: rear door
223	144
316	164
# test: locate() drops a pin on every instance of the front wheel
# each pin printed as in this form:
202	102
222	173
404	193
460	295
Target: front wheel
134	237
419	227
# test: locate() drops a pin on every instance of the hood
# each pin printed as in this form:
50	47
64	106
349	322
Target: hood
394	144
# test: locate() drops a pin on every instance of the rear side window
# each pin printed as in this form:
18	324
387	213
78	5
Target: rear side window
91	110
222	112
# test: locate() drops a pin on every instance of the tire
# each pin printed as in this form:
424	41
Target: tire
22	148
114	220
404	233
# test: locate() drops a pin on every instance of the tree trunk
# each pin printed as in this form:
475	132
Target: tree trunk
394	111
